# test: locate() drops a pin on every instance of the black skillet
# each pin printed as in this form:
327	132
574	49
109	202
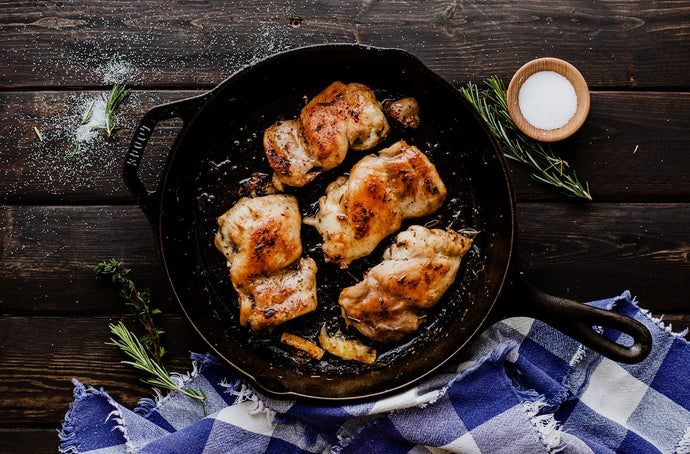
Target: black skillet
219	146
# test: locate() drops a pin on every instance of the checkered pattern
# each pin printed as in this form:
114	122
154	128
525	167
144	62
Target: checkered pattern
523	387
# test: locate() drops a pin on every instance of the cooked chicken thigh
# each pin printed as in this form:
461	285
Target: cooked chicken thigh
402	114
270	300
358	212
260	237
340	117
415	272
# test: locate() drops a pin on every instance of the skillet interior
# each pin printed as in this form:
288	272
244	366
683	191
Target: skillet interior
222	145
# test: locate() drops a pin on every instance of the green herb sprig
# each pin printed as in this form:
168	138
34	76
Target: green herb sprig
89	113
546	167
114	99
160	377
139	302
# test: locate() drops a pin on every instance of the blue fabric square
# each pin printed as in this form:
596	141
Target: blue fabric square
586	424
541	370
95	407
670	380
379	438
447	425
634	444
324	418
190	440
554	342
659	418
482	395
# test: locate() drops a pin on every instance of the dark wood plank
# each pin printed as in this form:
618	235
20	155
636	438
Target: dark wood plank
621	44
619	150
593	251
584	251
32	170
48	255
35	375
42	441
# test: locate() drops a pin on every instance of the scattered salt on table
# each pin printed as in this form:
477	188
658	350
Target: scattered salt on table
547	100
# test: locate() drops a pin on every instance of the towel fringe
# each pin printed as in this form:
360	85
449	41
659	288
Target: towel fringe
68	439
247	394
549	430
118	419
347	435
665	327
684	443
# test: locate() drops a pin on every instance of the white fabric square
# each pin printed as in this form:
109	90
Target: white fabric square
613	393
464	444
522	325
245	416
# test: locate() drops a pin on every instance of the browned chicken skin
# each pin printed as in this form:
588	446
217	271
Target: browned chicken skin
340	117
415	272
358	212
260	237
402	113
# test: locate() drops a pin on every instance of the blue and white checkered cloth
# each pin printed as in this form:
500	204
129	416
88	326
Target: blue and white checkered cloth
522	387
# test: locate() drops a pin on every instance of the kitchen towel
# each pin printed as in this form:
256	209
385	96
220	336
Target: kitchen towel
522	387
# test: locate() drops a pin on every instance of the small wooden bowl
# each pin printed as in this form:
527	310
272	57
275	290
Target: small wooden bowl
581	91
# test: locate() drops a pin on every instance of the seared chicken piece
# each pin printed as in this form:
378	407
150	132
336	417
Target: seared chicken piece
402	114
260	237
340	117
358	212
273	299
415	272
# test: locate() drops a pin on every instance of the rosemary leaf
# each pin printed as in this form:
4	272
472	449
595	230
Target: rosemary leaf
75	150
160	377
88	114
38	134
547	168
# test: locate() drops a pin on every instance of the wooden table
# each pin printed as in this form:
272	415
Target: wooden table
63	214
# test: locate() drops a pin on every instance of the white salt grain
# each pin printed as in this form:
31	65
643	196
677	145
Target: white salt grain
547	100
89	130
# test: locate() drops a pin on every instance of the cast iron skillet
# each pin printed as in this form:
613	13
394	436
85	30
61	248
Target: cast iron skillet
220	146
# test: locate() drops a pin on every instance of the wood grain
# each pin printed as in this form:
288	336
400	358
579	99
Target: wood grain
49	253
622	156
42	441
180	43
34	170
592	251
39	356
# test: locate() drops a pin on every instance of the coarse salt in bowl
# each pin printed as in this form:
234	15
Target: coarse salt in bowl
548	99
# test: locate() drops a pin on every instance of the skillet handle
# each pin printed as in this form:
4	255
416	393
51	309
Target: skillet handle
184	109
577	321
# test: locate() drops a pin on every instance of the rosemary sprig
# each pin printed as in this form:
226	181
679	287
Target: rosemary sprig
114	99
160	377
75	149
546	167
139	301
89	113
